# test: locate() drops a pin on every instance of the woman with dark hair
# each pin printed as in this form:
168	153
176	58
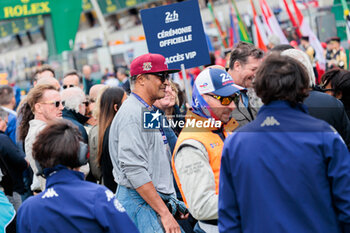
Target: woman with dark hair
285	171
109	103
69	204
336	82
26	115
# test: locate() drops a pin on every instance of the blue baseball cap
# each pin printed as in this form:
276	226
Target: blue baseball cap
216	81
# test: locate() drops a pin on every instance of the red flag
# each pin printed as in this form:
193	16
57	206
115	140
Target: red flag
306	31
292	19
298	13
260	41
272	21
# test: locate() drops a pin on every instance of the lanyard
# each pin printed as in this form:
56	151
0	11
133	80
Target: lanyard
151	108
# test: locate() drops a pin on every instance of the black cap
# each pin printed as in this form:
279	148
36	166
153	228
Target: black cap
335	39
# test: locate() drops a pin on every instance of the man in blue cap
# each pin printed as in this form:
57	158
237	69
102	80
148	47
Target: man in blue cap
197	154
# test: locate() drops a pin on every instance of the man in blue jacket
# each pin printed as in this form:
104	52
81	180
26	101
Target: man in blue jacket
69	204
8	102
75	104
286	171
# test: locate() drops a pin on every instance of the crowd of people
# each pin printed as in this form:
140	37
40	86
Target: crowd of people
261	148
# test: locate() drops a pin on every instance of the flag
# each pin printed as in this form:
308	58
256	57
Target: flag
233	32
346	13
235	22
292	19
222	34
264	29
347	18
210	45
242	29
306	31
258	28
266	26
272	21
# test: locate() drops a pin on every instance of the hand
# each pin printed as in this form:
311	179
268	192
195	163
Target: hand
169	223
181	216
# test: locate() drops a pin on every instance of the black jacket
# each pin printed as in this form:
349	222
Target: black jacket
106	164
77	119
331	110
14	161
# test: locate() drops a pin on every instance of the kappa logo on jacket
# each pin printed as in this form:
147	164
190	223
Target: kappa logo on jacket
109	195
50	193
118	206
270	121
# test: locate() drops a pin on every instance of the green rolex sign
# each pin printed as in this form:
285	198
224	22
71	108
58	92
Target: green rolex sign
61	19
25	8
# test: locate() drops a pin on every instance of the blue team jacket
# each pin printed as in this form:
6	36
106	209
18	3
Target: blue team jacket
284	172
70	204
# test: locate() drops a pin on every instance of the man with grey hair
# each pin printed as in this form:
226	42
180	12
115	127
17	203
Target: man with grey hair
273	41
8	102
75	104
321	105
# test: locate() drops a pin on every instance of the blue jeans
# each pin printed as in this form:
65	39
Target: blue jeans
142	214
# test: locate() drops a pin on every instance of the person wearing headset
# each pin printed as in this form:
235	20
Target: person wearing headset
69	204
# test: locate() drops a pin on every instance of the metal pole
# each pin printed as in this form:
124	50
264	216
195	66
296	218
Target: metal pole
103	24
101	20
187	85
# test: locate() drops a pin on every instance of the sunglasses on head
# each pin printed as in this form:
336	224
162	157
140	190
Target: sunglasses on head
67	86
227	99
56	103
162	76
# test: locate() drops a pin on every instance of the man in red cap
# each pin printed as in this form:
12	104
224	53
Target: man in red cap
140	156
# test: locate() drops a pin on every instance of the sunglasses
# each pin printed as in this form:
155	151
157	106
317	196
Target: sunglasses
227	99
162	76
67	86
56	103
86	103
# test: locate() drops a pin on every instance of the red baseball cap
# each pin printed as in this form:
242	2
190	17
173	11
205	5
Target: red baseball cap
149	63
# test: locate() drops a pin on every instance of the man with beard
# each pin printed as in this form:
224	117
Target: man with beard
197	154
